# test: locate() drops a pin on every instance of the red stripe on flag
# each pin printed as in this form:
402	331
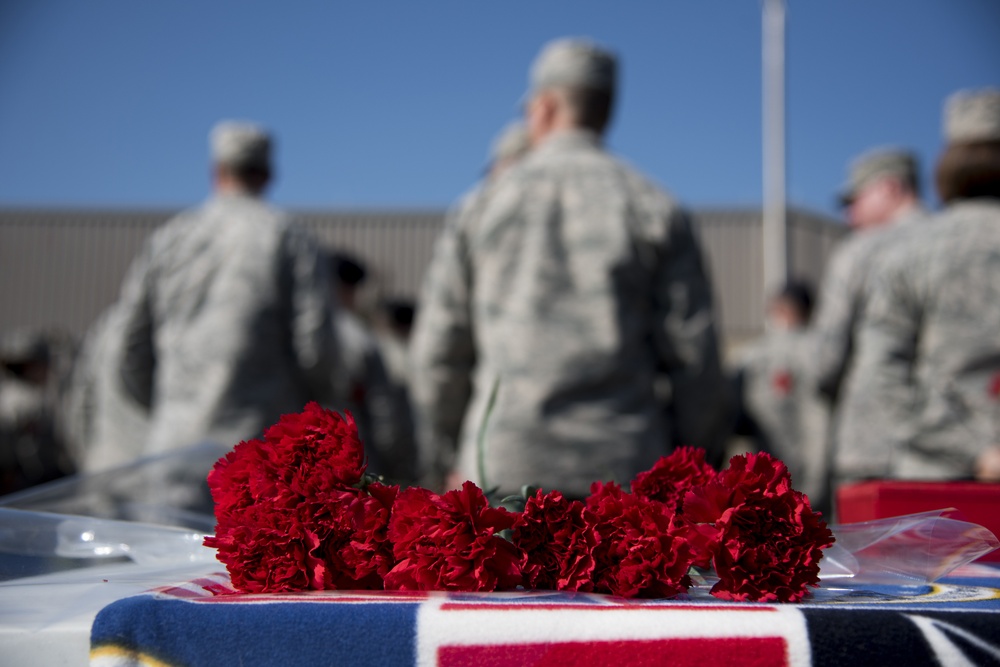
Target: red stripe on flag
536	606
723	651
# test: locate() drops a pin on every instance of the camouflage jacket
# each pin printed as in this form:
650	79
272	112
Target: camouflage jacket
553	298
227	324
859	432
929	342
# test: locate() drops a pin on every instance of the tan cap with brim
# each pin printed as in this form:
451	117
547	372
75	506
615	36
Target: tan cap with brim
574	62
240	144
878	163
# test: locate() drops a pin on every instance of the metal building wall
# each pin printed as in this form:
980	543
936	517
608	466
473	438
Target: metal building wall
59	269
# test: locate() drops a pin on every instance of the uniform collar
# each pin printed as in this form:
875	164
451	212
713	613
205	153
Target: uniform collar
574	138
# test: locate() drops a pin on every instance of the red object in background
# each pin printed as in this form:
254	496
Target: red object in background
975	502
782	381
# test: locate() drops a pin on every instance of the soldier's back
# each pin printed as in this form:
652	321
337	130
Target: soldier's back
941	291
220	290
564	249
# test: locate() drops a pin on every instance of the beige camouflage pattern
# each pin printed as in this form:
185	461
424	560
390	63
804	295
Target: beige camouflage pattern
108	428
930	342
561	288
227	324
858	430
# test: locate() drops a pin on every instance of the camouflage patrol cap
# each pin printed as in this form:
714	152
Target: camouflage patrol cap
877	163
512	142
574	62
972	115
240	144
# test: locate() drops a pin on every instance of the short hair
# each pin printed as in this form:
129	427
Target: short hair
799	294
347	269
591	107
252	177
967	170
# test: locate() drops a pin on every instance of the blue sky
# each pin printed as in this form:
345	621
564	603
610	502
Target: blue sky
107	103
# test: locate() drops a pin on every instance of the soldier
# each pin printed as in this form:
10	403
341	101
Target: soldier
780	405
929	342
882	202
226	313
550	301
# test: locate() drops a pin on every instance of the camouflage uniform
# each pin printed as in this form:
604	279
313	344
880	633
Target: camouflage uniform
108	427
930	346
553	296
859	431
227	324
780	397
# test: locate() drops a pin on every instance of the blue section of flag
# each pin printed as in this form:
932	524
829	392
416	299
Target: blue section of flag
179	632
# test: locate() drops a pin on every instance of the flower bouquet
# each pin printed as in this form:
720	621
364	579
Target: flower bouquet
296	511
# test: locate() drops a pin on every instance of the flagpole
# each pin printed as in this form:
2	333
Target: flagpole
775	224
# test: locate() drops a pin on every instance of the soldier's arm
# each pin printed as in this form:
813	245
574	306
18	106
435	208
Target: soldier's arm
137	365
686	339
443	353
888	336
833	328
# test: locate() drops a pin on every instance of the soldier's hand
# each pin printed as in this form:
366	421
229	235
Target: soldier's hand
987	467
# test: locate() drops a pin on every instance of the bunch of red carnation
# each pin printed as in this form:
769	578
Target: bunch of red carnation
295	511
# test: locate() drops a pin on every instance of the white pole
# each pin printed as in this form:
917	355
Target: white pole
775	230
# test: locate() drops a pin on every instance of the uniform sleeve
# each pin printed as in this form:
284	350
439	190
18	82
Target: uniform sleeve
314	341
687	343
888	336
835	323
137	365
442	351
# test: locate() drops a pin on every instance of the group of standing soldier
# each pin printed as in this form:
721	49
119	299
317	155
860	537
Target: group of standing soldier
567	331
904	349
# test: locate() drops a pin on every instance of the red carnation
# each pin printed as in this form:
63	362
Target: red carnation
300	456
770	549
672	476
767	540
450	542
269	552
558	536
288	517
355	542
642	552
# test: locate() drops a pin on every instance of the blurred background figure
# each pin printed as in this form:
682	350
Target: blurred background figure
226	313
779	409
393	327
930	339
551	298
382	421
31	451
882	202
